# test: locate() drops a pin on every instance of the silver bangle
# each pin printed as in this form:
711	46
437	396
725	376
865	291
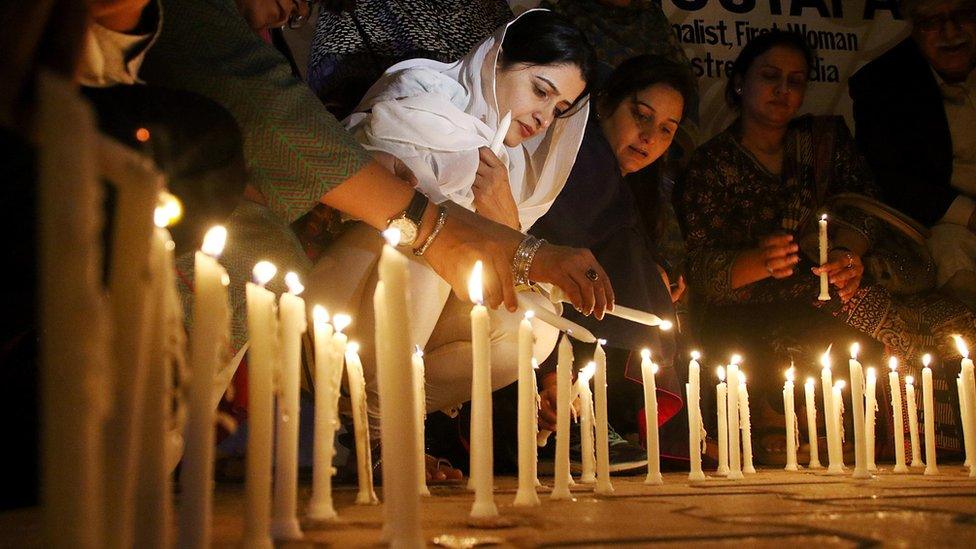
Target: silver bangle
438	225
524	255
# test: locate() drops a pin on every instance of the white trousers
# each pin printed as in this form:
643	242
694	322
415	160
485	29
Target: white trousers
953	247
344	280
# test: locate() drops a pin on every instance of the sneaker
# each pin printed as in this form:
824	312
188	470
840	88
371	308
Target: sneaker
626	458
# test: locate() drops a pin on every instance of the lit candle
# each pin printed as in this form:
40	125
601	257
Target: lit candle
824	280
968	395
695	428
292	324
966	429
586	423
564	379
745	425
528	415
928	408
721	395
835	452
648	371
732	403
811	402
262	329
857	401
603	484
328	378
870	411
896	410
420	396
360	423
154	493
208	348
395	382
790	413
913	422
482	476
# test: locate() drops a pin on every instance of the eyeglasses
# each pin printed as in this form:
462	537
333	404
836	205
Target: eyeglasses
935	23
298	20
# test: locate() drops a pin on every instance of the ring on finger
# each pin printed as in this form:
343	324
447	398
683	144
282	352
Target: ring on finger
850	260
592	274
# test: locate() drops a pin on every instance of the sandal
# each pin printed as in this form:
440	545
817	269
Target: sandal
440	472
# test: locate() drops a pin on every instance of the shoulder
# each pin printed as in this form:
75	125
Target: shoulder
898	64
717	149
403	81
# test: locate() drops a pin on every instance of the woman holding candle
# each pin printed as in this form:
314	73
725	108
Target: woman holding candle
747	195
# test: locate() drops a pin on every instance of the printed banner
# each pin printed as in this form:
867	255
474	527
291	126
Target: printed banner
845	34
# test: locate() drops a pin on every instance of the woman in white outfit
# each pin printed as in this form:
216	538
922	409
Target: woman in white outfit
438	120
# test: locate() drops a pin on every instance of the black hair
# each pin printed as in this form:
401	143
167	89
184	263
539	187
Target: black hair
542	37
758	46
631	76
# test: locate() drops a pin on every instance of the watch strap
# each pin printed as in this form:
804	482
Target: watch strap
415	210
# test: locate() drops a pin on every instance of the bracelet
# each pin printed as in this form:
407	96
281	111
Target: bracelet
438	225
524	255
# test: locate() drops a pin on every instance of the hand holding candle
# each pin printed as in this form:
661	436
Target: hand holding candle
824	280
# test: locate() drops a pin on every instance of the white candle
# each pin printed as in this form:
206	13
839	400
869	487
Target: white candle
208	348
790	413
964	408
835	452
262	328
528	416
695	428
896	410
328	377
562	324
634	315
745	426
812	435
586	423
838	402
482	473
603	484
420	400
870	411
732	405
913	422
564	374
721	396
292	324
395	379
154	493
360	422
498	141
824	280
928	408
857	402
967	400
648	370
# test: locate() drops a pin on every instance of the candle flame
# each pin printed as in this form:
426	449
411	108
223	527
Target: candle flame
645	354
168	210
529	315
392	236
601	342
840	384
791	374
855	349
736	359
535	364
295	285
654	368
586	374
214	241
720	372
811	382
825	358
909	380
320	315
961	345
475	283
893	363
352	348
872	373
341	322
264	271
695	355
665	325
417	351
823	217
926	360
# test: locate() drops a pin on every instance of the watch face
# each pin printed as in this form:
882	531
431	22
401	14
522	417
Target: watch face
408	230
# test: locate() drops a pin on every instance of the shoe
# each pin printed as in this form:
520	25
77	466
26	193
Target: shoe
626	458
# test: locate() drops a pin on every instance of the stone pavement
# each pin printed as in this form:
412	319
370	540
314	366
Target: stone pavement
772	508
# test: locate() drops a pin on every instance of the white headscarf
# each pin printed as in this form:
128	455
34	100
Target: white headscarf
433	116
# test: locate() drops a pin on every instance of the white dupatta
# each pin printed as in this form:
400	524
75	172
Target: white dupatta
433	116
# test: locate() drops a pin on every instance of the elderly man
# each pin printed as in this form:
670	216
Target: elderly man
915	120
